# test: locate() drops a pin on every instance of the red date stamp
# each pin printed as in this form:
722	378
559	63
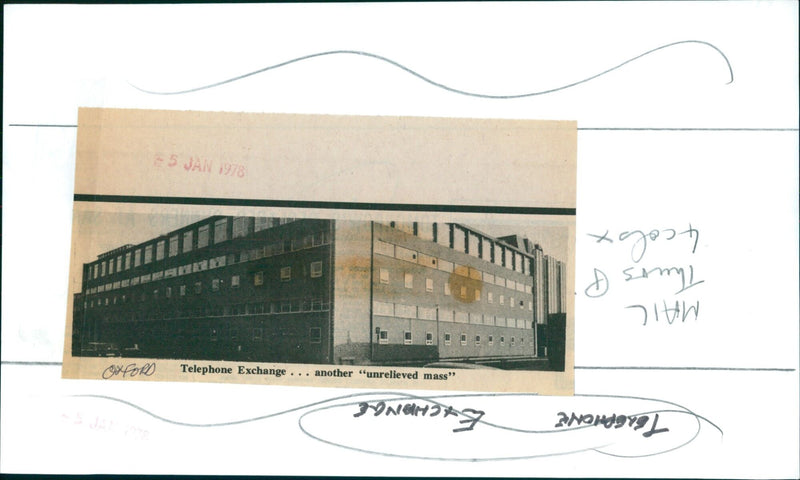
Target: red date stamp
200	165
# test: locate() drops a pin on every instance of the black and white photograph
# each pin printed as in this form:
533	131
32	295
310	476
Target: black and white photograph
322	291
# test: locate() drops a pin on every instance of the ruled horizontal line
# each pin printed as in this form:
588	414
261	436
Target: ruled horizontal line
4	362
588	129
733	369
687	129
79	197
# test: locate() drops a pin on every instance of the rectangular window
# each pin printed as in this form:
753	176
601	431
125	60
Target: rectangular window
384	275
111	266
429	285
473	244
477	339
183	290
168	292
148	254
477	294
315	334
128	261
198	287
530	306
491	339
446	266
220	230
187	241
447	288
383	337
383	248
511	302
502	300
160	250
409	280
406	338
258	278
119	263
463	291
463	339
447	339
95	271
235	281
405	254
512	341
240	225
202	236
137	257
173	245
428	338
215	284
502	340
459	240
286	274
316	269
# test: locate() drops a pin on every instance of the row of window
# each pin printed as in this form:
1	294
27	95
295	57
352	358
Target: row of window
466	241
257	334
399	310
285	275
258	308
402	253
464	292
383	339
144	256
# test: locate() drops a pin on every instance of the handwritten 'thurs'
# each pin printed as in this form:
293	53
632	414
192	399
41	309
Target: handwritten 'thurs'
655	270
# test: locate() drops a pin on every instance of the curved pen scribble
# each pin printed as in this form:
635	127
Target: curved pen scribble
435	83
387	396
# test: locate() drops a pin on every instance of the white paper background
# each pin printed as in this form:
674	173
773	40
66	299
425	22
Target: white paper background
736	183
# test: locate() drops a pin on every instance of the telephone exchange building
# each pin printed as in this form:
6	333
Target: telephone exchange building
324	291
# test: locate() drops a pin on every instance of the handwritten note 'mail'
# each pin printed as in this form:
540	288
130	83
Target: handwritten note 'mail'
655	270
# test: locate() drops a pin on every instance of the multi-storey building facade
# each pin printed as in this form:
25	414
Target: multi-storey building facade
324	291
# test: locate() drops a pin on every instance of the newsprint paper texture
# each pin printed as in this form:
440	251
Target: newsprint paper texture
368	252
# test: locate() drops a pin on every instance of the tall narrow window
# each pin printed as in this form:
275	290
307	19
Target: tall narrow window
111	266
128	261
315	334
463	339
384	275
447	339
286	274
202	236
428	338
240	227
409	280
187	241
316	269
160	250
220	230
429	285
173	245
383	337
148	254
258	279
235	281
406	338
